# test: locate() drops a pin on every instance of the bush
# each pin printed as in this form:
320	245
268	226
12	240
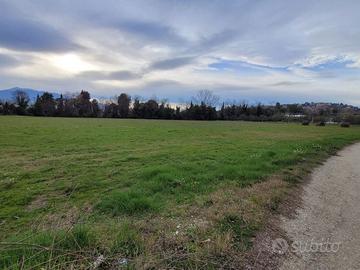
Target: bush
119	203
345	124
305	123
321	124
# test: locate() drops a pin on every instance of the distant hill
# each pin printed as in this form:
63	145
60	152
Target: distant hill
8	94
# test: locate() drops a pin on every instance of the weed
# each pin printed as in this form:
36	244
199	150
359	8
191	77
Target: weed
128	241
242	231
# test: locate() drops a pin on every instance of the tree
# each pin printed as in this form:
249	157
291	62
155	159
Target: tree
207	97
45	105
22	102
8	108
177	113
294	108
60	106
124	105
111	110
83	104
37	107
136	111
150	109
70	108
165	111
259	110
222	111
95	110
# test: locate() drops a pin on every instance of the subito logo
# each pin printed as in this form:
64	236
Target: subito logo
280	246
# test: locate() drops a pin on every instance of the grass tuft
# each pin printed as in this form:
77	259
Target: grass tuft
127	242
47	249
120	203
241	231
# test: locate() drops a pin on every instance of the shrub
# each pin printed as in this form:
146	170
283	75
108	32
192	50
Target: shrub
321	124
345	124
305	123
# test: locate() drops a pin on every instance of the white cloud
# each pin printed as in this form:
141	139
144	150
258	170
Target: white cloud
167	46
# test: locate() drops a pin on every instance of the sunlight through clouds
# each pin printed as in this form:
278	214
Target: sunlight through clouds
71	63
286	50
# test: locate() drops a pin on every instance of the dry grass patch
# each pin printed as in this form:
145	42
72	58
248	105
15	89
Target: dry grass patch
38	203
216	233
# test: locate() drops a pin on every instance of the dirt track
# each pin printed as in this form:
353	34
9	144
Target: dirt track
325	233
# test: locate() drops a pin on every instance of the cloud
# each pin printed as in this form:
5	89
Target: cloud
151	31
245	67
172	63
240	49
124	75
8	61
214	41
121	75
287	83
23	33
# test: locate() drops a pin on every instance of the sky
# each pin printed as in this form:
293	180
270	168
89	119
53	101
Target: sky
256	50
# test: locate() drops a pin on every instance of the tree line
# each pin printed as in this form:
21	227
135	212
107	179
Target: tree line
204	106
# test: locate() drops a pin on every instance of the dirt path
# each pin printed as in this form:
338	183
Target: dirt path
325	234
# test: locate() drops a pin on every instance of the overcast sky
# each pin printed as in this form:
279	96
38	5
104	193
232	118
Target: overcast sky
256	50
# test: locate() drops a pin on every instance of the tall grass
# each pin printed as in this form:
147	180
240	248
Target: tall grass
119	203
48	249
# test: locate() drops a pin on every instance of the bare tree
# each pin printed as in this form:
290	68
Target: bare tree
22	101
206	97
21	98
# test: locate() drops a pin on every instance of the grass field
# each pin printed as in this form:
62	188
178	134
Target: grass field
145	193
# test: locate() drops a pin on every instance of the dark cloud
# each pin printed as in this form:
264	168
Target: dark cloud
122	75
169	89
171	63
164	83
151	32
22	34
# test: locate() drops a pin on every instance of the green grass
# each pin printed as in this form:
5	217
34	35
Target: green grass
241	231
126	203
47	247
127	241
130	169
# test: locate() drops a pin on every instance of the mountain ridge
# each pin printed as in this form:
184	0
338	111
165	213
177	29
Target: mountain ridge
8	94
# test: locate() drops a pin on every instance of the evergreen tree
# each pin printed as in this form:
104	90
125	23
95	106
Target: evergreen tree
124	105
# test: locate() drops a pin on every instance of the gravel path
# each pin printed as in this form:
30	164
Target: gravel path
325	234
